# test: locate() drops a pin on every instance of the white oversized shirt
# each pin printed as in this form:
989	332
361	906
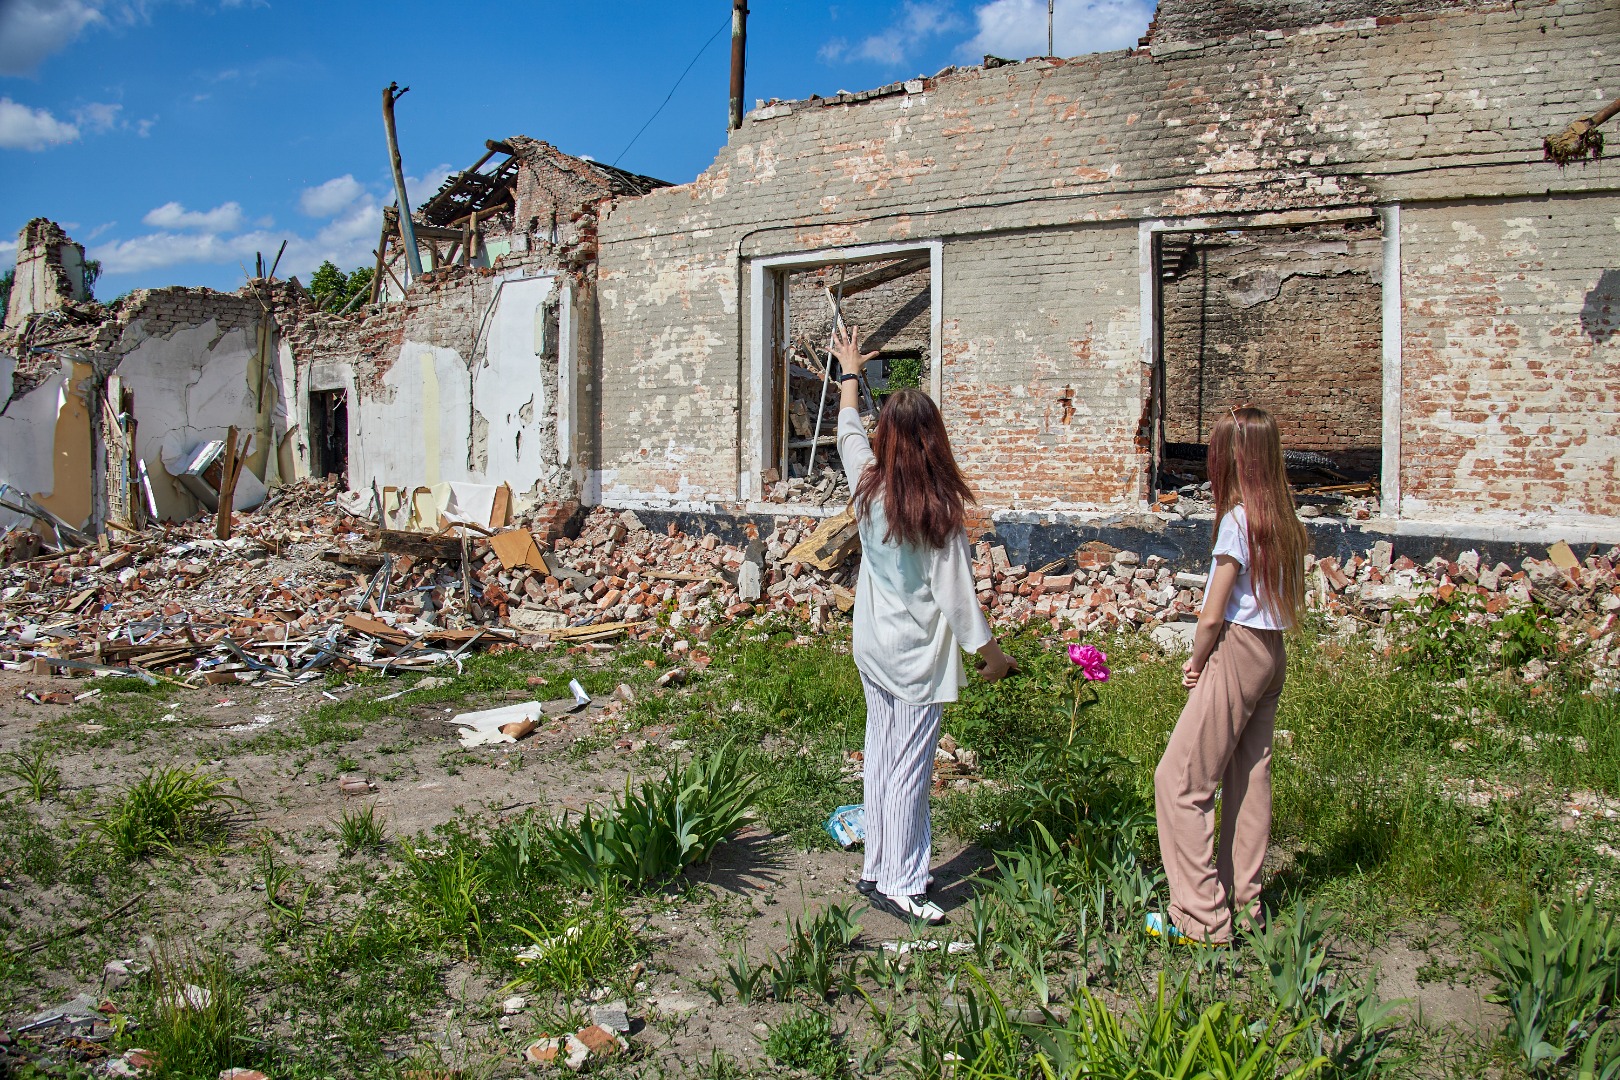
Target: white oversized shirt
1243	606
915	606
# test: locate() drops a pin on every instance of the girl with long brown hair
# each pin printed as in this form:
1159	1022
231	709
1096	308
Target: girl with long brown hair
1255	591
915	611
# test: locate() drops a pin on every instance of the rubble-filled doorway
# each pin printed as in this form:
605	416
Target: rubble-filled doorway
890	296
329	434
1286	318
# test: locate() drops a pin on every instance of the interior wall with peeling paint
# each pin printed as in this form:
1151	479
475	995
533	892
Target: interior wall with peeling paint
191	386
430	416
28	430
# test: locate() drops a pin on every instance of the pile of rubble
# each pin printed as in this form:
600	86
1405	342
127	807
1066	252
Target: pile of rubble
309	582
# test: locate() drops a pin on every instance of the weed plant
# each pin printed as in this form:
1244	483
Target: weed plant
36	777
1558	972
804	1040
666	825
165	808
194	1017
361	830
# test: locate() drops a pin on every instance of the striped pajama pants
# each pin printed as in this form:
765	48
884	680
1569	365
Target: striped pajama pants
899	770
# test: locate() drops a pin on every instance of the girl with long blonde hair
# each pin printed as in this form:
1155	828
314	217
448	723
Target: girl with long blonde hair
1255	591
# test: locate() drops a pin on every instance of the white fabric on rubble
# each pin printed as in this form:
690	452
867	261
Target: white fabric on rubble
915	607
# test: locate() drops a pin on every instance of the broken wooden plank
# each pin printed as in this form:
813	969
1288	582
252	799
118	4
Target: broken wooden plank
401	542
516	550
374	628
833	542
365	559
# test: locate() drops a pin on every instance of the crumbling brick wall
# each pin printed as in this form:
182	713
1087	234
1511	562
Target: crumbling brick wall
1201	20
1511	358
1035	177
1286	319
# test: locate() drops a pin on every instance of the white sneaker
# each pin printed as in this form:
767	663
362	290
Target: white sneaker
911	908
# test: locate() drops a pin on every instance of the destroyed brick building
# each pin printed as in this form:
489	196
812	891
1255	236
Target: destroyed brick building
1337	209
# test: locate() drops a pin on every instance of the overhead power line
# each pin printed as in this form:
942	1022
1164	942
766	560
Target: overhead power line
692	63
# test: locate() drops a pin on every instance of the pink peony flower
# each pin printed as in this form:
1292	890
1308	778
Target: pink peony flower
1092	661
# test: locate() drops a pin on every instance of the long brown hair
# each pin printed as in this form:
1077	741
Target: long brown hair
1246	466
914	473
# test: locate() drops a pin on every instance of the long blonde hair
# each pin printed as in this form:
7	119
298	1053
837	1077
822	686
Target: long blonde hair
1246	466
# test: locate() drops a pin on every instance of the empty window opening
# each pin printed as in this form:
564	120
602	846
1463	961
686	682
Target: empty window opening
1284	319
890	302
329	434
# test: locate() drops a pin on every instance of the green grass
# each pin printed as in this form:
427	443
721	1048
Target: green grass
352	969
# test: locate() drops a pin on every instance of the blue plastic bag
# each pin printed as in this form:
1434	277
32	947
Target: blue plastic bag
847	825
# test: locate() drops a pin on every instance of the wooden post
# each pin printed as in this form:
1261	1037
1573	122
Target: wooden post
412	258
739	54
227	487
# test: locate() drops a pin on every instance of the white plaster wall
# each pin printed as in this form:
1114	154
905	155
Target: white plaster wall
512	389
28	435
415	429
435	420
190	388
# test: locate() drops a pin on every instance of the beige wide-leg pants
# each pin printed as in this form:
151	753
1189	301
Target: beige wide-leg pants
1222	739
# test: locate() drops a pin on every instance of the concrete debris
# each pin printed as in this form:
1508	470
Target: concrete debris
578	1051
304	586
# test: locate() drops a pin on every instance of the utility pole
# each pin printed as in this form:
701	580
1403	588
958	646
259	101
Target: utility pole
1049	4
739	53
407	231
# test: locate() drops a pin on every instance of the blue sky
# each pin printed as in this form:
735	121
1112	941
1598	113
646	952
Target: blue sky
174	138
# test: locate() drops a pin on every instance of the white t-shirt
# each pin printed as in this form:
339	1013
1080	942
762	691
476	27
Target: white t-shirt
1243	606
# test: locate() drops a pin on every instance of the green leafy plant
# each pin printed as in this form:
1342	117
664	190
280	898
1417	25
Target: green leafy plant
334	289
1344	1020
1166	1038
1556	971
361	830
445	892
34	773
666	825
165	808
1457	636
805	1040
745	978
568	957
904	373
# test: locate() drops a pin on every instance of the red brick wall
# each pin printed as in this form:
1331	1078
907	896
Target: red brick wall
1511	358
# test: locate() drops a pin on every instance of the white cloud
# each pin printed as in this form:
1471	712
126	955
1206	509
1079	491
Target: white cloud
31	30
8	250
97	116
1016	29
421	190
143	128
226	217
918	22
348	240
325	200
22	128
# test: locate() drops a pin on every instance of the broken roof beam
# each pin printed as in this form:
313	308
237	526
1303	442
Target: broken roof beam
468	178
883	275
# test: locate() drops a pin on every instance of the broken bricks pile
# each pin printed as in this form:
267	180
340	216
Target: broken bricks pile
261	606
305	584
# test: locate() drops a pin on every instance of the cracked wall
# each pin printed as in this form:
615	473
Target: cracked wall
1036	178
1288	317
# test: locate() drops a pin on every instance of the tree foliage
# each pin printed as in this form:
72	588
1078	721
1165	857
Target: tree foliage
334	289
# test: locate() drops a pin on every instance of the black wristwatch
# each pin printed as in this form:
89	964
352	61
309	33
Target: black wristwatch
848	375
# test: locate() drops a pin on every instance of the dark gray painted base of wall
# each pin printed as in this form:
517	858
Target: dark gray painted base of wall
1185	544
